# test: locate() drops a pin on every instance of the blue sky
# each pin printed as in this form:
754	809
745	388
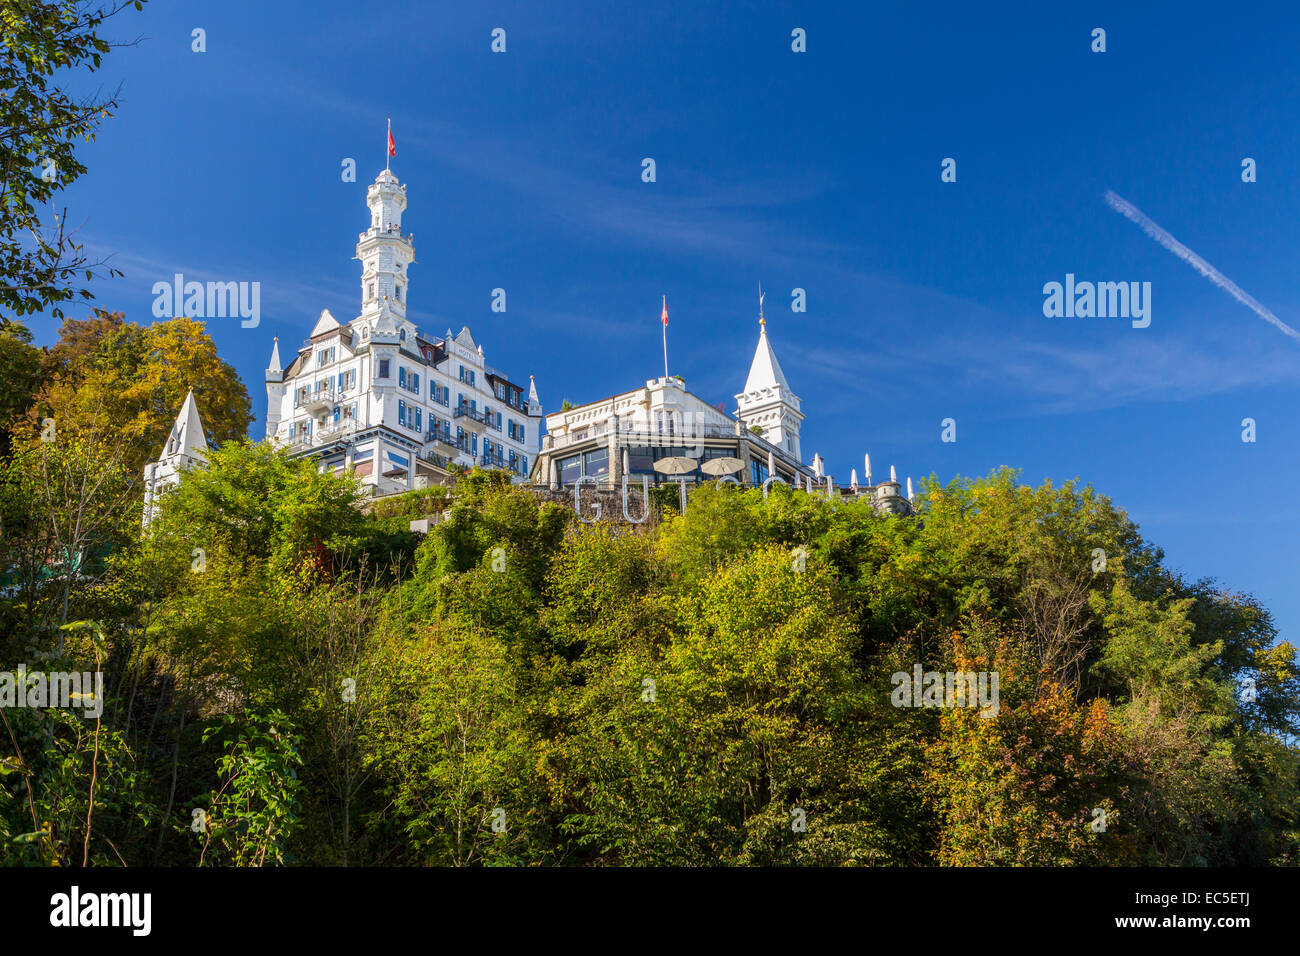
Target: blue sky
818	170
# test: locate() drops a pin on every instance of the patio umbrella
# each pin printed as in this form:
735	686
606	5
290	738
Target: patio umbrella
676	465
722	466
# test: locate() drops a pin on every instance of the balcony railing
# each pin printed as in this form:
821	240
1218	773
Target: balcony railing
492	460
321	398
389	231
442	436
683	436
337	429
473	414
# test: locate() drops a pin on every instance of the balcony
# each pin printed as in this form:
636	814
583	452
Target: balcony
317	402
442	437
466	411
336	430
493	460
389	231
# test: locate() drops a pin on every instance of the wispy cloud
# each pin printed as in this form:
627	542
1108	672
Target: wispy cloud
1129	211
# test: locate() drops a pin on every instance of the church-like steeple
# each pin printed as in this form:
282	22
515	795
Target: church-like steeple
767	401
187	439
186	447
765	370
534	403
274	390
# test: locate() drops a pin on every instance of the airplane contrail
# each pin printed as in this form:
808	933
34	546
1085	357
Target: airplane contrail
1130	211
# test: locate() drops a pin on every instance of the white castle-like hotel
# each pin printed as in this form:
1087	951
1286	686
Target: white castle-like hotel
403	411
378	397
662	432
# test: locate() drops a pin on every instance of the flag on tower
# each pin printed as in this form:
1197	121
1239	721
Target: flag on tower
663	317
392	143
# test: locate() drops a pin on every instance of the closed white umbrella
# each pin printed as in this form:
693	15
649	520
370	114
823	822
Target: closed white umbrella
866	460
853	479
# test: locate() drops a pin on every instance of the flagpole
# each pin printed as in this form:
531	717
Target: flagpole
665	325
387	151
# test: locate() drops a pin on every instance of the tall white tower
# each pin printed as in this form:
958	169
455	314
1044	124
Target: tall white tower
274	390
767	401
186	447
385	253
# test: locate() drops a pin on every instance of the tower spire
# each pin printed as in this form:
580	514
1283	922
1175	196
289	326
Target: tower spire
762	322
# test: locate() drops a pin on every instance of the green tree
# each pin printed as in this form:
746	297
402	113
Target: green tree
44	48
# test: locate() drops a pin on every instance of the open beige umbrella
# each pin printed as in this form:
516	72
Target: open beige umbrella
676	465
722	466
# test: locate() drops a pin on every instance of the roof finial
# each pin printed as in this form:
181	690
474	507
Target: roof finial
762	322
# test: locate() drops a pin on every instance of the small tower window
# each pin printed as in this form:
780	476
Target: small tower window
402	335
399	293
371	291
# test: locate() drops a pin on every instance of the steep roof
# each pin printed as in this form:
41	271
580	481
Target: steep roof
187	437
326	323
765	370
466	338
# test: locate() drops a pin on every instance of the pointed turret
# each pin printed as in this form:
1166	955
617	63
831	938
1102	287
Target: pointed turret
273	370
767	400
187	438
274	389
765	371
534	403
186	447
